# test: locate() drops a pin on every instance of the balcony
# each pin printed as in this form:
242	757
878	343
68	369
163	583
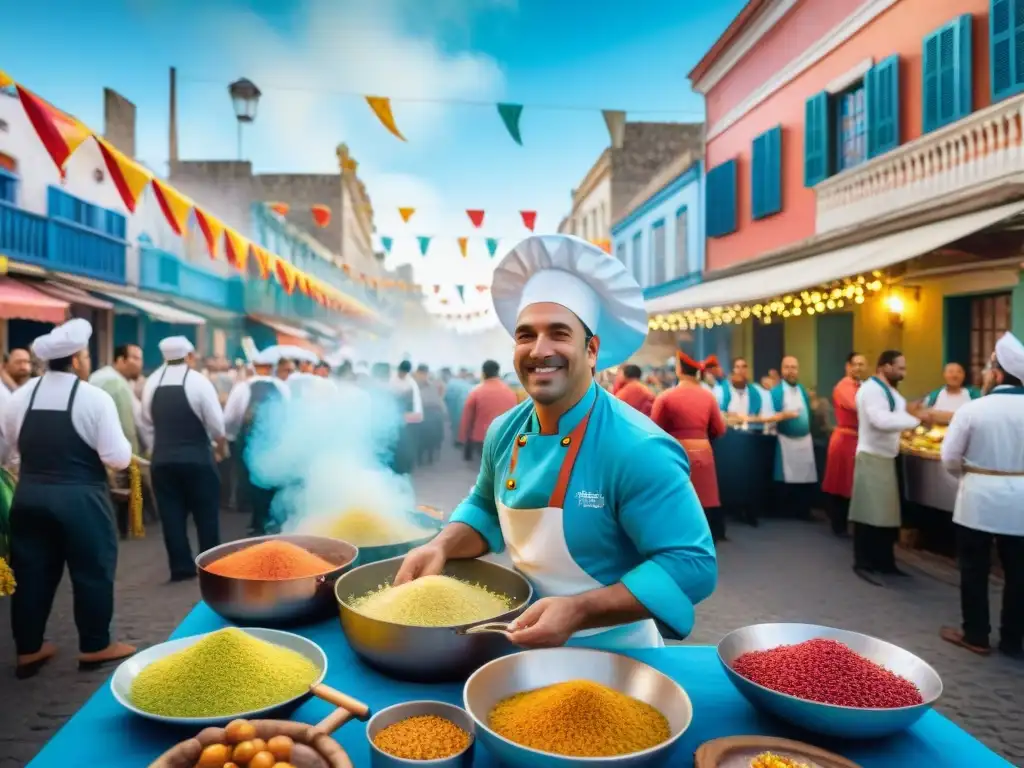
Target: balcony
60	245
163	272
267	297
981	155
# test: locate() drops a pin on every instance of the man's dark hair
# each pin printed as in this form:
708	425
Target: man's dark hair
7	355
1008	378
687	369
738	360
849	357
889	357
121	351
422	368
322	364
405	367
632	371
61	364
958	364
490	369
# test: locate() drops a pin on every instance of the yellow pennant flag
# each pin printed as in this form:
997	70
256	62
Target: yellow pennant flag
463	244
237	249
406	213
212	229
381	107
129	177
5	80
175	206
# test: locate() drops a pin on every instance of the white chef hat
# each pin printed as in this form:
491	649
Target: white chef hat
64	340
176	348
268	356
597	288
1010	354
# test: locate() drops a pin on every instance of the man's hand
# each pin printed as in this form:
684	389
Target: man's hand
548	623
428	560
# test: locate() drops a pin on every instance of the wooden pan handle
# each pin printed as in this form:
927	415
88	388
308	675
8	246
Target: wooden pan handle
337	698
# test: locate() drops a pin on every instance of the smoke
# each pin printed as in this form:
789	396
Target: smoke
326	451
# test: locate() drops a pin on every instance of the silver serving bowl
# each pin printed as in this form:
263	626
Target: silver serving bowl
283	601
126	672
407	709
427	654
529	670
374	554
829	719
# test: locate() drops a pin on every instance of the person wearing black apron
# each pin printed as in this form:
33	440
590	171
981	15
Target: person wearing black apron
407	394
66	431
185	412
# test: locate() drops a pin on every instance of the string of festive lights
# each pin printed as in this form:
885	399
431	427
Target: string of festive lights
831	297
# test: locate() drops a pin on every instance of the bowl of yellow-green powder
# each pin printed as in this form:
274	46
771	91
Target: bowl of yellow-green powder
214	678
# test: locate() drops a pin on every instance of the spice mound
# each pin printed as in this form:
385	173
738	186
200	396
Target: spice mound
828	672
424	737
369	529
771	760
270	561
225	673
579	719
432	601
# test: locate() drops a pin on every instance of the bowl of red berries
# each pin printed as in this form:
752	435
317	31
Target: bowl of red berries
829	681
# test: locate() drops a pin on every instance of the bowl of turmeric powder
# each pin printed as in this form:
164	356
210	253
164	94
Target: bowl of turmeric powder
274	580
567	707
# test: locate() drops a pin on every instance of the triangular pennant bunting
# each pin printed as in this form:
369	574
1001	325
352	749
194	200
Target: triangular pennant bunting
424	242
437	289
175	206
492	246
281	209
406	213
386	243
5	80
61	134
129	177
285	274
381	107
237	248
481	289
529	219
477	217
462	292
321	215
510	114
615	120
263	260
463	246
212	229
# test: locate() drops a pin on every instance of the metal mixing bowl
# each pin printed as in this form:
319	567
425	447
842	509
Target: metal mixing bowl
529	670
427	653
829	719
399	712
284	601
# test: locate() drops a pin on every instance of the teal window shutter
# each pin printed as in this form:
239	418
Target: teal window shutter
721	199
817	139
766	174
947	87
1006	57
882	95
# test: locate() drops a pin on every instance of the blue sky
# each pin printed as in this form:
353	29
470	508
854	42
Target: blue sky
312	58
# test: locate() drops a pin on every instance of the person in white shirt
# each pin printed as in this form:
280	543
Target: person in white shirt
410	404
246	405
875	500
984	447
305	380
184	410
945	400
67	431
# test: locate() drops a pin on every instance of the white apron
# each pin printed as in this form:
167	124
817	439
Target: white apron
797	452
535	540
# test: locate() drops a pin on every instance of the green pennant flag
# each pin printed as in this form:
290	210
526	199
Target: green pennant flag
510	114
424	244
492	246
387	242
462	292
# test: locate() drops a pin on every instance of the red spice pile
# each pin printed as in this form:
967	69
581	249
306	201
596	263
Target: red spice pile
270	561
828	672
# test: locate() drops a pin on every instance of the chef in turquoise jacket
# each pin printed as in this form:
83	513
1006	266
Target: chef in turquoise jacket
592	500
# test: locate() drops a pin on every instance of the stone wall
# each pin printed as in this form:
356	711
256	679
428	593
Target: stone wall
647	147
119	121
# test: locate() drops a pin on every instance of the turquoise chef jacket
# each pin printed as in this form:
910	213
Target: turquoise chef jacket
631	513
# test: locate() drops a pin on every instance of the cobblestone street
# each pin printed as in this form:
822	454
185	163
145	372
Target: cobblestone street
780	572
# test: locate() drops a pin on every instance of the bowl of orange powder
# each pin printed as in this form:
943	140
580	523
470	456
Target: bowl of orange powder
274	580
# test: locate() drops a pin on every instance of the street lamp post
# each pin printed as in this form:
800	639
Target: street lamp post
245	97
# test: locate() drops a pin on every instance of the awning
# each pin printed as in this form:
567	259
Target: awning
20	301
824	268
321	329
73	295
159	312
281	329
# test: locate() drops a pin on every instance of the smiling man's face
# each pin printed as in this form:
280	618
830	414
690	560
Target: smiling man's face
553	356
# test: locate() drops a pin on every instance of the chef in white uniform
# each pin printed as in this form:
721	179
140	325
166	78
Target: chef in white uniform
591	499
796	473
984	447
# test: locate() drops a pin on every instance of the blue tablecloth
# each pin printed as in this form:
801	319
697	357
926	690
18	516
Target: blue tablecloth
102	733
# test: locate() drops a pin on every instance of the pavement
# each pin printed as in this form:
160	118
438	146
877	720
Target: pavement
782	571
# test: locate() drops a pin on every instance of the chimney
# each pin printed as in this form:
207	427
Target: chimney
119	121
172	117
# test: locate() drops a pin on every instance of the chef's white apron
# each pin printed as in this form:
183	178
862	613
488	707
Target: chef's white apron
797	452
535	540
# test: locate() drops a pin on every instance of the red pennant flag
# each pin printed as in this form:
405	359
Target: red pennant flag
477	217
281	209
437	289
529	219
321	215
60	133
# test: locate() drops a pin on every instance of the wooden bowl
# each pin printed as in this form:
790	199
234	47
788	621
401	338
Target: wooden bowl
738	751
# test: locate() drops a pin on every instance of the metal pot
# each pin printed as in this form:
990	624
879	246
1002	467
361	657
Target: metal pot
282	601
427	654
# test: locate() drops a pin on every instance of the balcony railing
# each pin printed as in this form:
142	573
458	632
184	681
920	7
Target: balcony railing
61	246
972	155
164	272
267	297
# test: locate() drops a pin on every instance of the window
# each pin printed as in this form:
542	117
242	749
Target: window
766	174
1006	33
882	100
682	266
8	179
990	319
657	265
637	257
721	199
620	252
851	128
946	94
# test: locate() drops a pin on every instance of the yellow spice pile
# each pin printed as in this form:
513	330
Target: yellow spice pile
579	718
225	673
423	737
370	529
432	601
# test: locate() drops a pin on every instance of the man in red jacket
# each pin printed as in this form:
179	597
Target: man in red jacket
634	391
491	398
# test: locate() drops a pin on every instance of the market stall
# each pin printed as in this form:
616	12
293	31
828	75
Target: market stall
929	491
